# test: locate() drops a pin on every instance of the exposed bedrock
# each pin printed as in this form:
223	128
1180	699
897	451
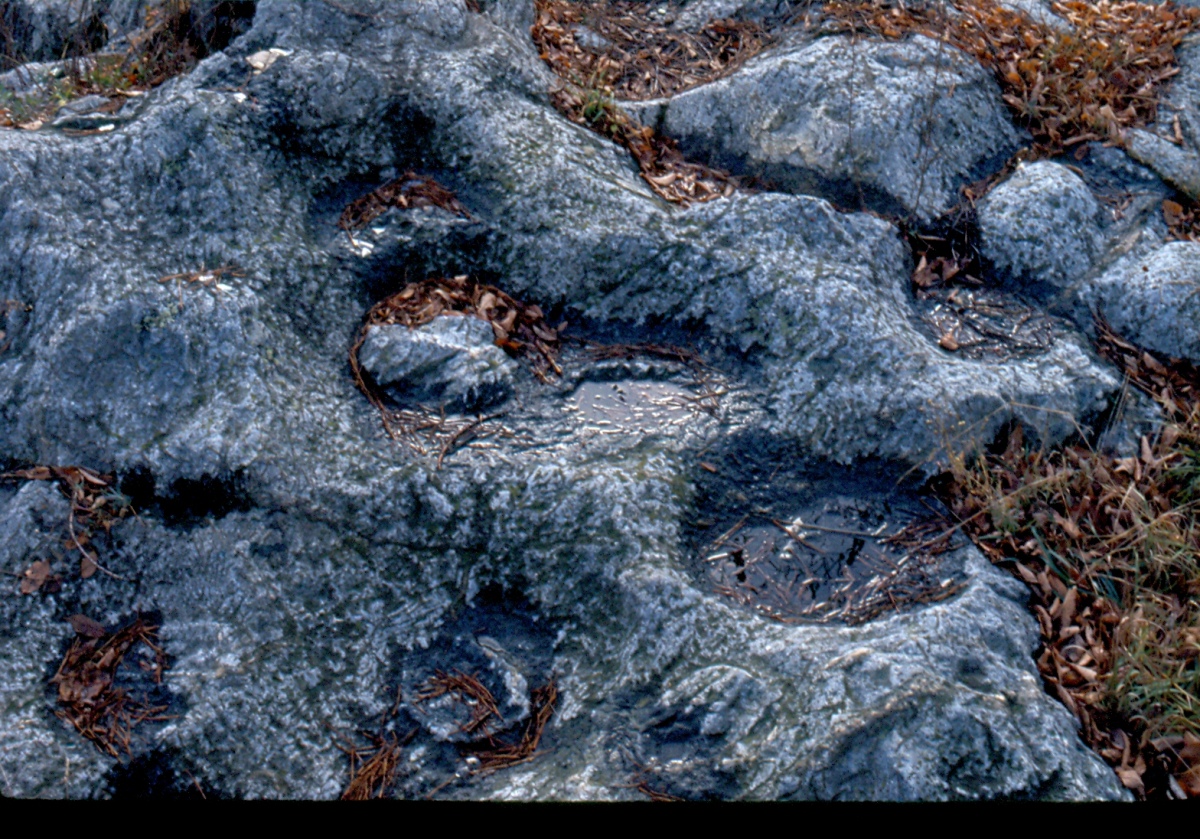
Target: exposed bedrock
303	564
896	127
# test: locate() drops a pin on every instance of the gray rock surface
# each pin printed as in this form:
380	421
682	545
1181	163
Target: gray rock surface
451	361
1041	226
696	13
45	30
897	126
1153	298
303	566
1155	147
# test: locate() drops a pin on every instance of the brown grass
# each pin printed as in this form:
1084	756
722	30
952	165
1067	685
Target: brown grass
1110	547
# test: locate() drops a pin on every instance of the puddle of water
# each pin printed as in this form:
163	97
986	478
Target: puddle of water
808	563
822	543
625	406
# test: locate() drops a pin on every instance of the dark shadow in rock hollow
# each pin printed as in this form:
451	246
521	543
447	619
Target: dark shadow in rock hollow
156	775
502	641
187	502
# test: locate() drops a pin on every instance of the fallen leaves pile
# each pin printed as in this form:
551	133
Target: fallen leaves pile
635	56
88	694
408	191
643	59
1087	82
1183	220
1110	548
96	504
166	46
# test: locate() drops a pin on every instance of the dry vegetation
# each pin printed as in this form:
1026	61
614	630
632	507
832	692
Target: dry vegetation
408	191
642	59
1183	220
1089	82
166	46
96	504
1110	548
88	694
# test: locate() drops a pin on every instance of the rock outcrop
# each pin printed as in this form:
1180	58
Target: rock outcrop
303	565
896	127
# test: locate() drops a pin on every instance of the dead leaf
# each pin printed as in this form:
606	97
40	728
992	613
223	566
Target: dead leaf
87	627
35	577
1131	780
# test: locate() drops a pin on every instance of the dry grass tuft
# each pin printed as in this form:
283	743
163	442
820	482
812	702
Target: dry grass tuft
1110	548
1066	87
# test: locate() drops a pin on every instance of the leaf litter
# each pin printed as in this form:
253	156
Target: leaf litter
88	690
520	329
96	505
641	59
408	191
167	45
1088	82
1110	549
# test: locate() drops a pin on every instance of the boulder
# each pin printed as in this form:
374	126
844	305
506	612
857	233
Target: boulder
1153	299
895	126
1041	226
1155	146
451	361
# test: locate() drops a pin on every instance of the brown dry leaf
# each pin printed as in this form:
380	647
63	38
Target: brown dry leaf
1131	780
87	627
1172	212
88	565
35	576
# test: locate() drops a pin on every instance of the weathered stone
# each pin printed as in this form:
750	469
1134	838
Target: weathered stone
302	564
1153	299
451	361
1180	167
897	126
1041	226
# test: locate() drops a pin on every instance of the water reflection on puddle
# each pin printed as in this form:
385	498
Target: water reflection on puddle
625	406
